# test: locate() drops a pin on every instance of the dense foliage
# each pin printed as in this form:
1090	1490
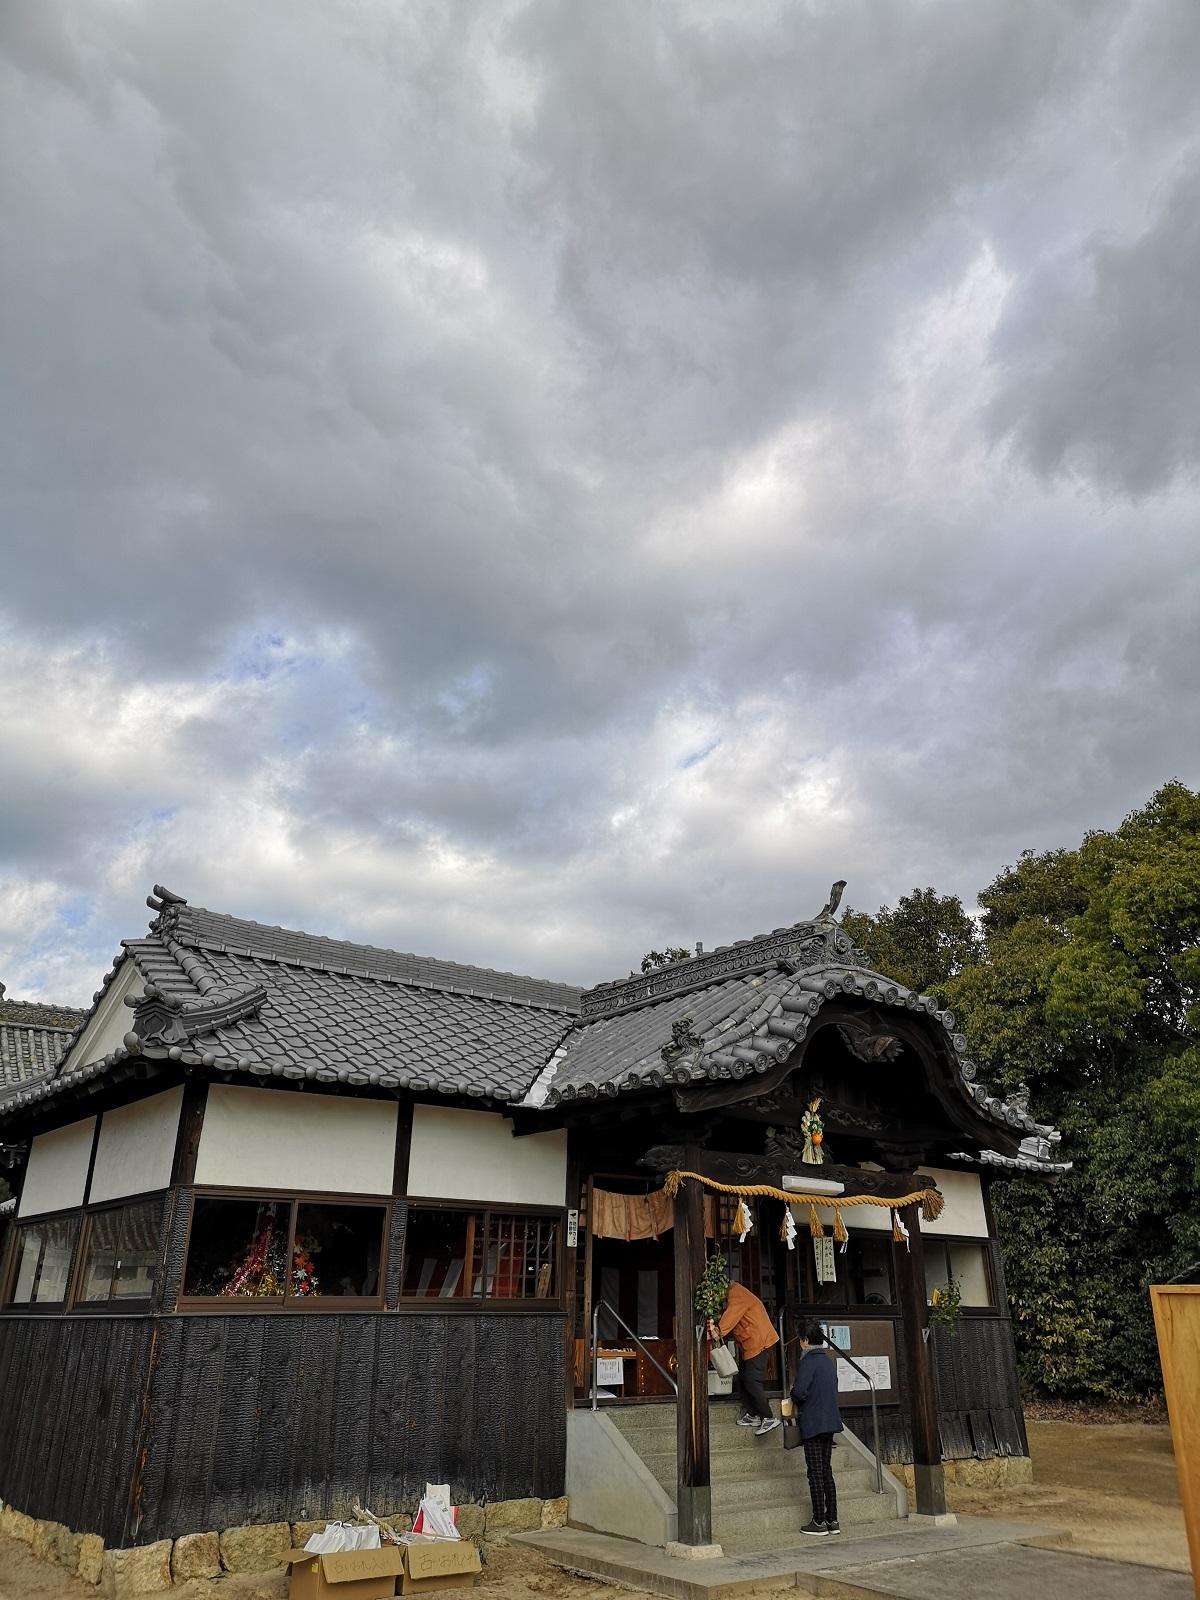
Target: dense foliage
665	958
1083	981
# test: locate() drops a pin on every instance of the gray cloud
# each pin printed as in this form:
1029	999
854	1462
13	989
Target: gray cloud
525	482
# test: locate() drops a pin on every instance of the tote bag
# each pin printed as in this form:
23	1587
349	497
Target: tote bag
723	1361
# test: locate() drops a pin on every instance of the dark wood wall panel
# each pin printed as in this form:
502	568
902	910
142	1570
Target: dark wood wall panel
270	1418
979	1396
71	1393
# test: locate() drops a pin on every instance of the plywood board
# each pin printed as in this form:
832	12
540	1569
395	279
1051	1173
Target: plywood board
1177	1324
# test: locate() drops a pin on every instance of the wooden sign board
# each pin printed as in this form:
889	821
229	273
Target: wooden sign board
873	1346
1177	1324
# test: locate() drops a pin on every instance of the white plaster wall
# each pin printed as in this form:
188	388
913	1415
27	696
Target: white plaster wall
112	1020
472	1155
136	1146
276	1139
963	1213
57	1170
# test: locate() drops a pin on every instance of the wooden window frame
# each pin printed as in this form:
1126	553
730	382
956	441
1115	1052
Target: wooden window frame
141	1306
286	1304
944	1241
8	1277
72	1304
469	1305
855	1310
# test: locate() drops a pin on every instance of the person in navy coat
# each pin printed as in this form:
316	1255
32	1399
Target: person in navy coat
814	1393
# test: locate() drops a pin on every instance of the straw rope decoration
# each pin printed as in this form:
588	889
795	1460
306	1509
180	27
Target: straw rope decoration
931	1202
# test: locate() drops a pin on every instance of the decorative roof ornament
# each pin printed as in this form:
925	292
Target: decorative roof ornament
831	905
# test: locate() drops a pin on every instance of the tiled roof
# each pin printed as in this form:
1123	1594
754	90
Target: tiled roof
235	996
33	1038
1025	1163
269	1002
740	1010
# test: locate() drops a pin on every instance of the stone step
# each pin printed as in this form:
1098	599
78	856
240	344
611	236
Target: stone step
786	1492
765	1467
757	1522
723	1434
766	1543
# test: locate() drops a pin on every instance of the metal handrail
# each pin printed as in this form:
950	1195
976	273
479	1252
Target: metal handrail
604	1305
841	1355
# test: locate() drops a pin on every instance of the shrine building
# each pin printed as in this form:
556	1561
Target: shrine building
299	1221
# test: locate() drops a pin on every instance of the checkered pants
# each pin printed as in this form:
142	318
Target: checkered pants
818	1458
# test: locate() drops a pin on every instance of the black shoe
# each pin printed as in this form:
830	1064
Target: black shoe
816	1530
833	1527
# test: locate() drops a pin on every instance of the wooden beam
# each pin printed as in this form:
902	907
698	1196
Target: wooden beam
187	1135
693	1481
922	1386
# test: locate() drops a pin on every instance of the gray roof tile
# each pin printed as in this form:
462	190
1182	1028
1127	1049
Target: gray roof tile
271	1002
33	1039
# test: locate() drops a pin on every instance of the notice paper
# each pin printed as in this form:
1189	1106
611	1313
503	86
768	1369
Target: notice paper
878	1367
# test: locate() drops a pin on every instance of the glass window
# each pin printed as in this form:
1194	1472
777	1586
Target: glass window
863	1268
337	1250
480	1255
869	1270
966	1263
44	1251
969	1269
436	1245
238	1248
121	1253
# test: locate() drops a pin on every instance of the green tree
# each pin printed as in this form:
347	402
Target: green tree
1086	986
665	958
923	943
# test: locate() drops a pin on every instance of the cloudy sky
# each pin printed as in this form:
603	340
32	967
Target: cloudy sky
526	481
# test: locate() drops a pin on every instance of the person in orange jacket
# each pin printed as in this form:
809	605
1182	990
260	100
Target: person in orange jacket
745	1317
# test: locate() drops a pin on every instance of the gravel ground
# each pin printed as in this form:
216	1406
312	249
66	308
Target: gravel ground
1113	1486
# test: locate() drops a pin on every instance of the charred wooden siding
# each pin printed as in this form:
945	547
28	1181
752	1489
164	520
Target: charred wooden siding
271	1418
979	1397
71	1400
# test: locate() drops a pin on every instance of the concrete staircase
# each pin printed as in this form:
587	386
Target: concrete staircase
759	1490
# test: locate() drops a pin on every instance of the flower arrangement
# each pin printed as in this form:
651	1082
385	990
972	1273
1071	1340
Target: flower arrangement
304	1274
712	1288
261	1270
945	1303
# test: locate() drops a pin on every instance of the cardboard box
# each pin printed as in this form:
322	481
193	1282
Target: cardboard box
449	1564
345	1575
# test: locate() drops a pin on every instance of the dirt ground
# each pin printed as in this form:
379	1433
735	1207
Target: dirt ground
511	1573
1113	1486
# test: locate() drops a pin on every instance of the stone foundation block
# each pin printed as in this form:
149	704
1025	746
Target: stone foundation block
555	1512
52	1542
16	1525
91	1558
196	1555
145	1569
255	1549
471	1521
302	1532
503	1517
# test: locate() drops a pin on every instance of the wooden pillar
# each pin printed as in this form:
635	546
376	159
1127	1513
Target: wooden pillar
922	1387
694	1494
